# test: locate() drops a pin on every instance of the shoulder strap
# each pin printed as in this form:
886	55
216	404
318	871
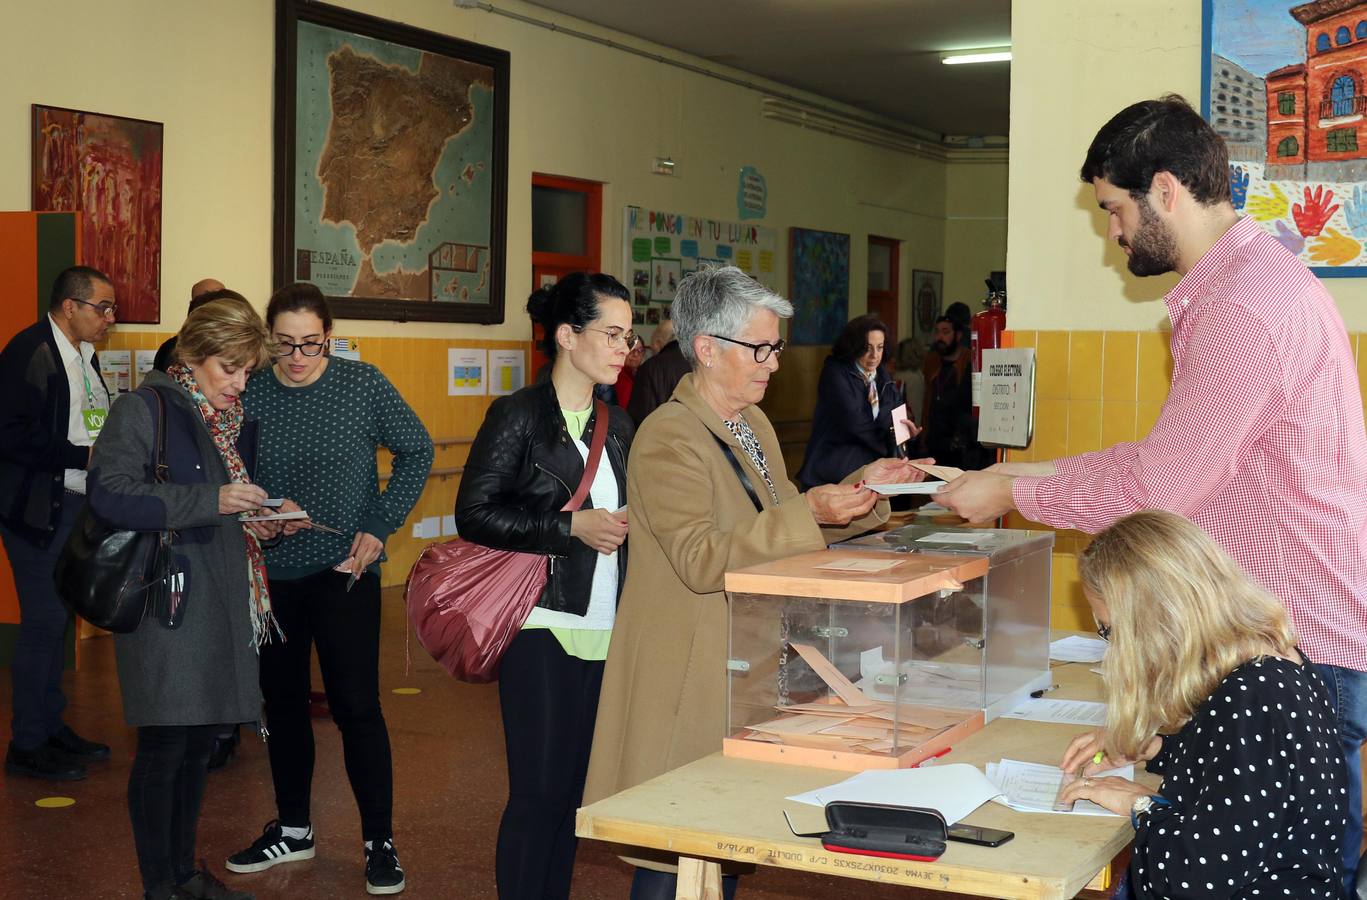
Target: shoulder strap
600	437
160	471
740	471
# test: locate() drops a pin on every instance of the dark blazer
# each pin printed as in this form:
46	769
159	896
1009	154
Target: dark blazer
655	381
844	435
35	407
521	469
205	671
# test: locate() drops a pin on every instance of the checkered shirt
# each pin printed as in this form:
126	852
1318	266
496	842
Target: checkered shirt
1260	441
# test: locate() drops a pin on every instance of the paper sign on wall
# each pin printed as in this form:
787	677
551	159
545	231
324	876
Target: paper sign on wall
116	368
507	371
465	368
1008	407
142	364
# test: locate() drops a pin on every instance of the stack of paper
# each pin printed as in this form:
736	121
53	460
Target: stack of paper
1030	787
1078	649
1064	712
953	790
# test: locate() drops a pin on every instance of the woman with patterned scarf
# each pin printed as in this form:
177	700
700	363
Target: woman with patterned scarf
183	674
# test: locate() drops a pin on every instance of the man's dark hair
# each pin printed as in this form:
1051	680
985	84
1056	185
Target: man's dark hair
1163	135
210	296
76	282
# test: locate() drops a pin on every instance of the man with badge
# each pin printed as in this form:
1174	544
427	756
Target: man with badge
51	410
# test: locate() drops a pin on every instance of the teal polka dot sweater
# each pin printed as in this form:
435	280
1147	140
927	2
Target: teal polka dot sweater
318	447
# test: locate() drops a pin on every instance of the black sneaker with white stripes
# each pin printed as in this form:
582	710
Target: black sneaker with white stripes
272	848
383	874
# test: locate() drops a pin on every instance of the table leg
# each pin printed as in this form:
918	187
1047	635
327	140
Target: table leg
699	879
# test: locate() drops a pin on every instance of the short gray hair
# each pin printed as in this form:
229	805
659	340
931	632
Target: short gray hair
720	300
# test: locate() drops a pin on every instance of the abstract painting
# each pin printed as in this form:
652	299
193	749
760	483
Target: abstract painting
108	168
391	163
818	285
1285	84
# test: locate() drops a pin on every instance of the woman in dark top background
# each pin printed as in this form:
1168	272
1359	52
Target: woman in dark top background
1204	681
852	423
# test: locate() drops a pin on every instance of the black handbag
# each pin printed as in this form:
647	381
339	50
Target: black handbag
114	578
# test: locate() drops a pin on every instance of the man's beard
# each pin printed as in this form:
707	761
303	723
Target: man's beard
1153	250
943	348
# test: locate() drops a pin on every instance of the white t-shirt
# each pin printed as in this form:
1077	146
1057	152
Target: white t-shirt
74	360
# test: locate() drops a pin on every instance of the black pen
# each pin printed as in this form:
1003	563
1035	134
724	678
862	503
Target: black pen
1042	691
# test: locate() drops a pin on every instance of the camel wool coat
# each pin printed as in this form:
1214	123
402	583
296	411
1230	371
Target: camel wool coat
663	702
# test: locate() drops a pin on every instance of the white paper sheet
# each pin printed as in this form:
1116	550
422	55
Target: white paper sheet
907	487
1066	712
900	433
1078	649
956	537
1031	787
867	566
954	790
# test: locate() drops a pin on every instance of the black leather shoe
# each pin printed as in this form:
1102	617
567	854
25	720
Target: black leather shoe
223	751
44	762
71	744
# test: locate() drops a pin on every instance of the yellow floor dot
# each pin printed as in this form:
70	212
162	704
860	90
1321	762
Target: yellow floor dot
54	802
407	691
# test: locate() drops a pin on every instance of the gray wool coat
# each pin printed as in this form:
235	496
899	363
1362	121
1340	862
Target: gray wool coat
205	671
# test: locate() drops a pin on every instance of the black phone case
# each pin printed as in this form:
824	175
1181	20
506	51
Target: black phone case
879	829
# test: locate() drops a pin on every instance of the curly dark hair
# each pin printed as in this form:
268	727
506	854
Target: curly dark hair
854	340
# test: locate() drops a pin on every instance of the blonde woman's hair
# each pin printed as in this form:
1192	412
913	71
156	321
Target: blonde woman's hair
229	328
1183	616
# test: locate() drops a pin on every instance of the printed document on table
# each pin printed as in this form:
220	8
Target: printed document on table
953	790
1078	649
1064	712
1030	787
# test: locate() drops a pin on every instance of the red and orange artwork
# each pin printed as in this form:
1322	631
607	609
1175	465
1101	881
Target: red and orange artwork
109	169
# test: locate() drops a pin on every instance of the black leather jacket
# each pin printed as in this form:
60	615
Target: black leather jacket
522	468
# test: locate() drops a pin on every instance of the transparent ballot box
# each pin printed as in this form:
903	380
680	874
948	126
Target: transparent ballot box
856	659
1015	598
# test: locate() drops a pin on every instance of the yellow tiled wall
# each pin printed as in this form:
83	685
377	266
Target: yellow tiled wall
417	367
1094	389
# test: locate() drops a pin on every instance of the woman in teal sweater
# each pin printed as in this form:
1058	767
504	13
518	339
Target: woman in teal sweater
322	419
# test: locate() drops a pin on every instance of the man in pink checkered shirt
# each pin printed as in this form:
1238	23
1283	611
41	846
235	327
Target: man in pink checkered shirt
1261	440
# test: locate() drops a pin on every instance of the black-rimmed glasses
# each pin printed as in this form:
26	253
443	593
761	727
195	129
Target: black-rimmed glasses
281	349
104	309
616	336
762	351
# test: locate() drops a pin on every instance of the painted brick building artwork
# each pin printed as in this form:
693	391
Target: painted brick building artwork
1315	108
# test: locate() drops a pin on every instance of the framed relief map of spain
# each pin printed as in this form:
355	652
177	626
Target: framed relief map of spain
391	166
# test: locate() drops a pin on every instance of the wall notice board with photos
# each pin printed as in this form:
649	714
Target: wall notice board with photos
659	248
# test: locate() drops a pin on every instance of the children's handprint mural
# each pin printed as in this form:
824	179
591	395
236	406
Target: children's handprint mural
1286	86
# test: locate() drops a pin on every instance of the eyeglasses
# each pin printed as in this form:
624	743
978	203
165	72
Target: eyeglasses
105	309
616	336
282	349
762	351
1104	632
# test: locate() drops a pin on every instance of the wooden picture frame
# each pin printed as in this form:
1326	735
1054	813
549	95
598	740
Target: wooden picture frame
109	168
382	236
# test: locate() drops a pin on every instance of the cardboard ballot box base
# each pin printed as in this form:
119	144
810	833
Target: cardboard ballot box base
848	760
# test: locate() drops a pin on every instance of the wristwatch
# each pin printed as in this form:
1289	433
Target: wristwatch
1144	804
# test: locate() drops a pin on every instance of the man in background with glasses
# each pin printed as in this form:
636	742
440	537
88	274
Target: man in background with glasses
51	409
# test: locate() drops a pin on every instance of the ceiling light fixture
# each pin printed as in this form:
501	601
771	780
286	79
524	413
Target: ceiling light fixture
986	55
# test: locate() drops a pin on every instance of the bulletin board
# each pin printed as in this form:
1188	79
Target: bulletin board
659	248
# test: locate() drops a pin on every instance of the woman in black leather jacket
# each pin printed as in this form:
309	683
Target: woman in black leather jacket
525	463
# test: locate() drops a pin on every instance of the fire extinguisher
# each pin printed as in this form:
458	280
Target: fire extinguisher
988	326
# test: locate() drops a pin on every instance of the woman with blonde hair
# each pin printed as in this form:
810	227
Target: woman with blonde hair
184	672
1205	683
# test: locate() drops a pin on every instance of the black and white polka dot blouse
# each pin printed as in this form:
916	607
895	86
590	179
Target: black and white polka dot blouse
1258	792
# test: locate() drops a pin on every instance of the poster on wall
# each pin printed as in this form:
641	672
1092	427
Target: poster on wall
109	169
1285	84
391	166
659	248
465	368
927	291
819	285
506	372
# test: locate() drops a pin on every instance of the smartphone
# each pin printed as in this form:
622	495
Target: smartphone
983	837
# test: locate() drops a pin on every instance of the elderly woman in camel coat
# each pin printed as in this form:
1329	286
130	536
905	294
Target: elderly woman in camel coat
663	702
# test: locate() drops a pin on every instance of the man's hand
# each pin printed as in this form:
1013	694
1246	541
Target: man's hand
839	504
892	471
978	496
601	529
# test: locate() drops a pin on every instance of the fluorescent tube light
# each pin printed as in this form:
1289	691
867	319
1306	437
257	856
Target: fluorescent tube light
962	57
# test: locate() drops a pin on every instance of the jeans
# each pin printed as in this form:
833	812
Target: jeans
549	701
165	790
1347	689
345	625
39	650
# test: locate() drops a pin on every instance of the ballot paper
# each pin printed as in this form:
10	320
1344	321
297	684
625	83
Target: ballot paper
1078	649
1030	787
1065	712
276	517
945	473
900	432
907	487
954	790
958	537
867	566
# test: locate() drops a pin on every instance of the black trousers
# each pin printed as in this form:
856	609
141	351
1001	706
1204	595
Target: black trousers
549	701
345	626
165	790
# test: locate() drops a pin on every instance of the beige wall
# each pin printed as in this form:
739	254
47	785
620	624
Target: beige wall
577	109
975	229
1077	63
